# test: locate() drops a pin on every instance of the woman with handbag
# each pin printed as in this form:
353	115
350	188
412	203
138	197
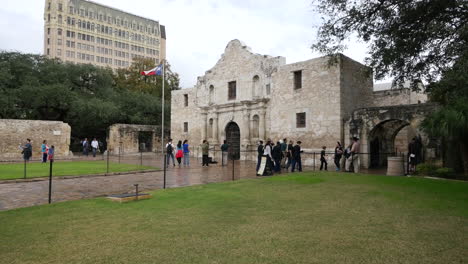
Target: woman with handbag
179	152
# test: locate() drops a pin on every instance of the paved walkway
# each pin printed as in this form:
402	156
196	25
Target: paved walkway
30	193
24	194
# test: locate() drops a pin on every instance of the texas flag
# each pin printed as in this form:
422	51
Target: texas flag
155	71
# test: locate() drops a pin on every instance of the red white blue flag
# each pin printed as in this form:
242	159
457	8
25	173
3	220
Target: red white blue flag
155	71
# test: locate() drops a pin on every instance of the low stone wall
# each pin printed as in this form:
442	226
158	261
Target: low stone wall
14	132
124	138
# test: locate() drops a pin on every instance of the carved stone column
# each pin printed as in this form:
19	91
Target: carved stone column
246	127
262	125
203	128
215	129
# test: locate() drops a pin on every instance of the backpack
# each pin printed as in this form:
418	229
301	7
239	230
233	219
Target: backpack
169	148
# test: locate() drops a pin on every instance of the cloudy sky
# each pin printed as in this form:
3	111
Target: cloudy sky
197	30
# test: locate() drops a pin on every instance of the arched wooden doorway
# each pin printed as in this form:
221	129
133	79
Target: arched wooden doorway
233	139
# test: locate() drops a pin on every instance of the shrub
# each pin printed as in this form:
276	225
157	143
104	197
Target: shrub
445	173
426	169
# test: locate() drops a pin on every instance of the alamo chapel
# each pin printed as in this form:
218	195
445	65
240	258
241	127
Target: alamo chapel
247	97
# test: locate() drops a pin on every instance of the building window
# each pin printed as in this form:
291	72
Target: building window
48	18
60	7
232	90
48	31
48	41
48	6
60	19
59	42
59	52
268	88
297	79
300	120
185	127
59	32
48	51
185	100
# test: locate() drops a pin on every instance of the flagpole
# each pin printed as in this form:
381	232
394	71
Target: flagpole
162	122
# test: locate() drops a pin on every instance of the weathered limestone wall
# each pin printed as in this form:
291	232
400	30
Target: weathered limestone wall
402	96
123	138
319	98
14	132
190	114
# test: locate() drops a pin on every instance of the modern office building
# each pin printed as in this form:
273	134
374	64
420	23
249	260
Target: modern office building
82	31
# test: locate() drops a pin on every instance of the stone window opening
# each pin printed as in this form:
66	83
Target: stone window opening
60	19
232	90
300	120
268	89
185	100
297	79
255	128
185	127
60	7
210	128
211	94
255	86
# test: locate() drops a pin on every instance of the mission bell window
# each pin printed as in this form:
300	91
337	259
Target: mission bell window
185	100
232	90
300	120
297	79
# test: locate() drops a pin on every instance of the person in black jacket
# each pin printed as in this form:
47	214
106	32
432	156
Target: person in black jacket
338	155
323	160
260	154
277	156
296	157
289	154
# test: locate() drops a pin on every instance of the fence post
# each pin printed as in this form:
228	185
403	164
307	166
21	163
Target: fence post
108	161
141	159
314	160
25	169
50	181
232	167
164	166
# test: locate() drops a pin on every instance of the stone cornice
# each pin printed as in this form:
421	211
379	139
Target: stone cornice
236	106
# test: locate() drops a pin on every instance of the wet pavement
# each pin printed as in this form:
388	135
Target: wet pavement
16	194
29	193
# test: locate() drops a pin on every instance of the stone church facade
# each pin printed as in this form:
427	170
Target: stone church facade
247	97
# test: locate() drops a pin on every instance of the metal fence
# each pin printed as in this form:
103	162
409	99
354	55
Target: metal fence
160	176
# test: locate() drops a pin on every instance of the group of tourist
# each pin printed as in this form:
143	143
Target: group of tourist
284	156
279	155
86	146
46	151
181	151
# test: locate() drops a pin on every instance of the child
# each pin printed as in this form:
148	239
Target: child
322	158
51	153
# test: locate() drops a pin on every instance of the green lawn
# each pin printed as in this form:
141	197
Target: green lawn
306	218
64	168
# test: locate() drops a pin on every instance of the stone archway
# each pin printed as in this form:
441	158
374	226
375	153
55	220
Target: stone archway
378	127
233	140
382	141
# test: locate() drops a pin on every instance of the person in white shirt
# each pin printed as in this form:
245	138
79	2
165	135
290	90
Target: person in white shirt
94	146
170	152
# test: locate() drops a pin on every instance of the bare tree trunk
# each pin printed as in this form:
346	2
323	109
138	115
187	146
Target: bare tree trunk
464	156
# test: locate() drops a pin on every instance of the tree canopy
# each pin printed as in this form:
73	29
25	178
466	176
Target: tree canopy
408	40
87	97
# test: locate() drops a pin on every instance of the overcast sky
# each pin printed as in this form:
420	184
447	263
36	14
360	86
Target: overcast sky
197	31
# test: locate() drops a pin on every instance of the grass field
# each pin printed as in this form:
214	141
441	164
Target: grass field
64	168
306	218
